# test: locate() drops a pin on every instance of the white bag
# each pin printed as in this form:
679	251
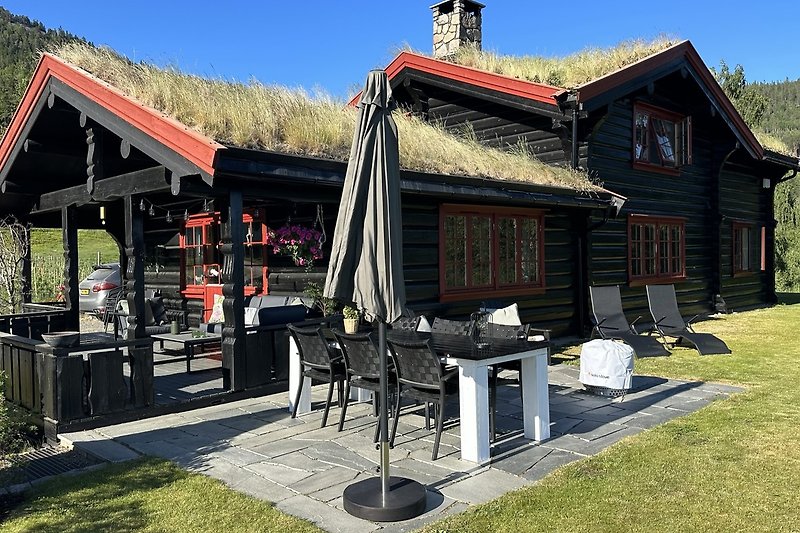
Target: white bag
606	363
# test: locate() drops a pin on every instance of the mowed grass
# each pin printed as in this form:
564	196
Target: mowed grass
147	495
47	242
732	466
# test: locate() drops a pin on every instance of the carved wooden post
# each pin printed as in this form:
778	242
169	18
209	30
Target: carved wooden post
141	358
233	337
69	231
94	159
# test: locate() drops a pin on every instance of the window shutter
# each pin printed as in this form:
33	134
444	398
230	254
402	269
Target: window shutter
684	144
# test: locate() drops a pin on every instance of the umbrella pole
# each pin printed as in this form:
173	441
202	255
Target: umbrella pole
384	499
384	413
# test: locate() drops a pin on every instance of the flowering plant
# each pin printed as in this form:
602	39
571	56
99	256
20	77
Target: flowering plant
302	244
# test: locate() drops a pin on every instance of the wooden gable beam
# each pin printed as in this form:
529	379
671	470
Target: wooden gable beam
156	179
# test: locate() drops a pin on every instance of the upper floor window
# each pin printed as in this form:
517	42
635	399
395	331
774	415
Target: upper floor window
656	248
490	251
661	139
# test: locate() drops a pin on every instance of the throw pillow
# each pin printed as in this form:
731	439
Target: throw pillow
250	314
507	316
217	314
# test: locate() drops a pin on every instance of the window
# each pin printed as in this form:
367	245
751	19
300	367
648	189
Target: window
743	248
661	139
656	248
486	250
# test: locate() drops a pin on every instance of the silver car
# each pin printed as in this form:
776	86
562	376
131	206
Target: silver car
94	289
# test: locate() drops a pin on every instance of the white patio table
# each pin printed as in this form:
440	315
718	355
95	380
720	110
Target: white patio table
473	364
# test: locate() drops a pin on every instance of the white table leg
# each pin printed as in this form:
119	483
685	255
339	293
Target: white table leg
536	401
295	377
473	395
360	395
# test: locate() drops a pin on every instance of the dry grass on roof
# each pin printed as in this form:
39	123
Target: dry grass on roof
254	115
771	142
567	71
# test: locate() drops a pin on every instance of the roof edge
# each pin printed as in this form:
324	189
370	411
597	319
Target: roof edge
193	146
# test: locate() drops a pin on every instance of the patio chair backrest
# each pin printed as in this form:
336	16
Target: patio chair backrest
452	327
405	323
360	354
501	331
416	363
607	308
663	304
110	308
312	345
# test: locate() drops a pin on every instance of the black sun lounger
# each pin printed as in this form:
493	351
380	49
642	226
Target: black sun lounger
669	323
610	323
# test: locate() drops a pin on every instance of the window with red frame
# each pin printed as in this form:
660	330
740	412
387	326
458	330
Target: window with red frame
661	139
202	257
656	248
490	251
743	248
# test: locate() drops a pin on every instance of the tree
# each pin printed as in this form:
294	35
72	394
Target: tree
15	246
747	99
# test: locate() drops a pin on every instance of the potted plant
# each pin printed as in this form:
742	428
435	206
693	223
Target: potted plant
351	318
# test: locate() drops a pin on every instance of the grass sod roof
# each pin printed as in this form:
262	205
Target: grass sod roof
269	117
567	71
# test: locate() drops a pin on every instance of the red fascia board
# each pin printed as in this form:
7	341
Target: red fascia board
480	78
685	49
195	147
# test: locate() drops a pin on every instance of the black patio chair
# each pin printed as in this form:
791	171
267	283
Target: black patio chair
318	361
452	327
405	323
362	362
110	312
422	377
610	323
669	322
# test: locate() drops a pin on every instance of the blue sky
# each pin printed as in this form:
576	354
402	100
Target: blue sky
332	44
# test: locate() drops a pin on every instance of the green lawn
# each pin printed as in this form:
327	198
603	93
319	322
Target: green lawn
146	495
732	466
47	242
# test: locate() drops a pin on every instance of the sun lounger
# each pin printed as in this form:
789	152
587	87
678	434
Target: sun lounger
669	322
610	323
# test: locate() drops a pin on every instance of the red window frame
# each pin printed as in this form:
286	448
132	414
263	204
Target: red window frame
206	222
638	274
492	285
681	147
737	251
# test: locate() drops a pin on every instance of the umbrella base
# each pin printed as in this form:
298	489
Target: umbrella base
405	500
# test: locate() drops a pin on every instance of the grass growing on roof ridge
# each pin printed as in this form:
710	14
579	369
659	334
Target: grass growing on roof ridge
566	71
731	466
254	115
771	142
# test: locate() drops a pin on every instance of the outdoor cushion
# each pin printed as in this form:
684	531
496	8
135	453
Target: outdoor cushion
158	312
507	316
250	314
217	314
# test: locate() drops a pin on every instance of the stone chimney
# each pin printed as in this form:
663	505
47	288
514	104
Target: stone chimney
455	23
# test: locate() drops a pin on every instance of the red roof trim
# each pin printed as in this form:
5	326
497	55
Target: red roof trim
685	49
481	78
193	146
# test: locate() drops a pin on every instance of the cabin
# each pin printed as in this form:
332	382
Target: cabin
659	131
204	212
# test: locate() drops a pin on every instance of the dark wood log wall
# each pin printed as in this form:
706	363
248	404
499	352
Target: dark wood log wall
743	200
556	309
496	125
651	193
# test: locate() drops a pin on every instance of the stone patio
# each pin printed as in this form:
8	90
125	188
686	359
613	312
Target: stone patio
255	447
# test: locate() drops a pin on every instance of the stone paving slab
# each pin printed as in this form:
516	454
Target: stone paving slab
254	446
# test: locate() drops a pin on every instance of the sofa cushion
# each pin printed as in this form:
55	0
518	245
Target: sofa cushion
270	316
507	316
250	315
273	301
217	314
157	310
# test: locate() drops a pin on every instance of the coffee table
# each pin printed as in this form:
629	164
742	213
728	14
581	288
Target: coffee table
189	343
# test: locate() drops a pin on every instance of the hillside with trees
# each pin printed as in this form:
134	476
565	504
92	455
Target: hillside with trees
21	39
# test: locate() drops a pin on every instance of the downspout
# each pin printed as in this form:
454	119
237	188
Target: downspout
717	301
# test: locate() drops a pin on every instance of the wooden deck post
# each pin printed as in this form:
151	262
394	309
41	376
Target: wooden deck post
69	232
141	358
234	363
27	283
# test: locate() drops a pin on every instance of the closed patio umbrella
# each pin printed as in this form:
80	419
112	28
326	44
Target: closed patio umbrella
366	266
